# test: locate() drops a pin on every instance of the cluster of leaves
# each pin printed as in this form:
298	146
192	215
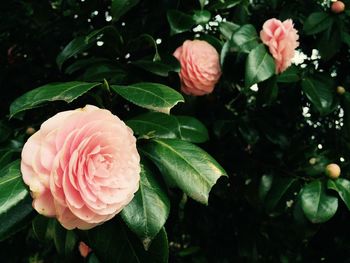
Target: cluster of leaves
274	139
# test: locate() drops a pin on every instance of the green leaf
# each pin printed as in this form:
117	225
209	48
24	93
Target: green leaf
144	41
265	186
259	66
12	188
84	63
201	16
319	93
342	186
160	125
7	155
82	43
50	230
202	3
66	91
192	130
111	242
185	165
160	68
317	205
268	91
317	22
228	28
279	190
290	75
226	4
43	228
101	72
15	218
151	96
245	38
155	124
120	7
330	43
179	22
345	37
146	214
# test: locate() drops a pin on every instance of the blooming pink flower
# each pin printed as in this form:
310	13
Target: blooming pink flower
84	249
282	40
82	167
200	67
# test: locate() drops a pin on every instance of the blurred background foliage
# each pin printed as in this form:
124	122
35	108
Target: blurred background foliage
274	139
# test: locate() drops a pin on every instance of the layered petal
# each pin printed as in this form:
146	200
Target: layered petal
200	67
82	166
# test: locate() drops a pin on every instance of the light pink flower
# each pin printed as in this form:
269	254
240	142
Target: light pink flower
282	40
82	167
84	249
200	67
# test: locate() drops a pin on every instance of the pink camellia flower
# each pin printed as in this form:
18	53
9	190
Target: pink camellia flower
84	249
200	67
282	40
82	167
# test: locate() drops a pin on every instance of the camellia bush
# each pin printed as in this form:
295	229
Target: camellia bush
175	131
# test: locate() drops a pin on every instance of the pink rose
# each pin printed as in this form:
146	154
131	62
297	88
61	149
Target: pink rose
282	40
200	67
82	167
84	249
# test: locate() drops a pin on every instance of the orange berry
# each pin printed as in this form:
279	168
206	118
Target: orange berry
340	90
338	7
30	131
333	171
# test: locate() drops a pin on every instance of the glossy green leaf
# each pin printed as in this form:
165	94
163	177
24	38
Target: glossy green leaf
161	68
43	228
277	194
192	130
225	4
15	218
101	72
179	22
146	214
202	3
5	132
342	186
49	230
265	186
227	29
151	96
201	16
317	22
259	66
84	63
160	125
66	91
7	155
319	93
268	91
245	38
345	37
112	242
120	7
317	205
82	43
144	41
12	188
290	75
64	240
330	43
186	166
155	124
